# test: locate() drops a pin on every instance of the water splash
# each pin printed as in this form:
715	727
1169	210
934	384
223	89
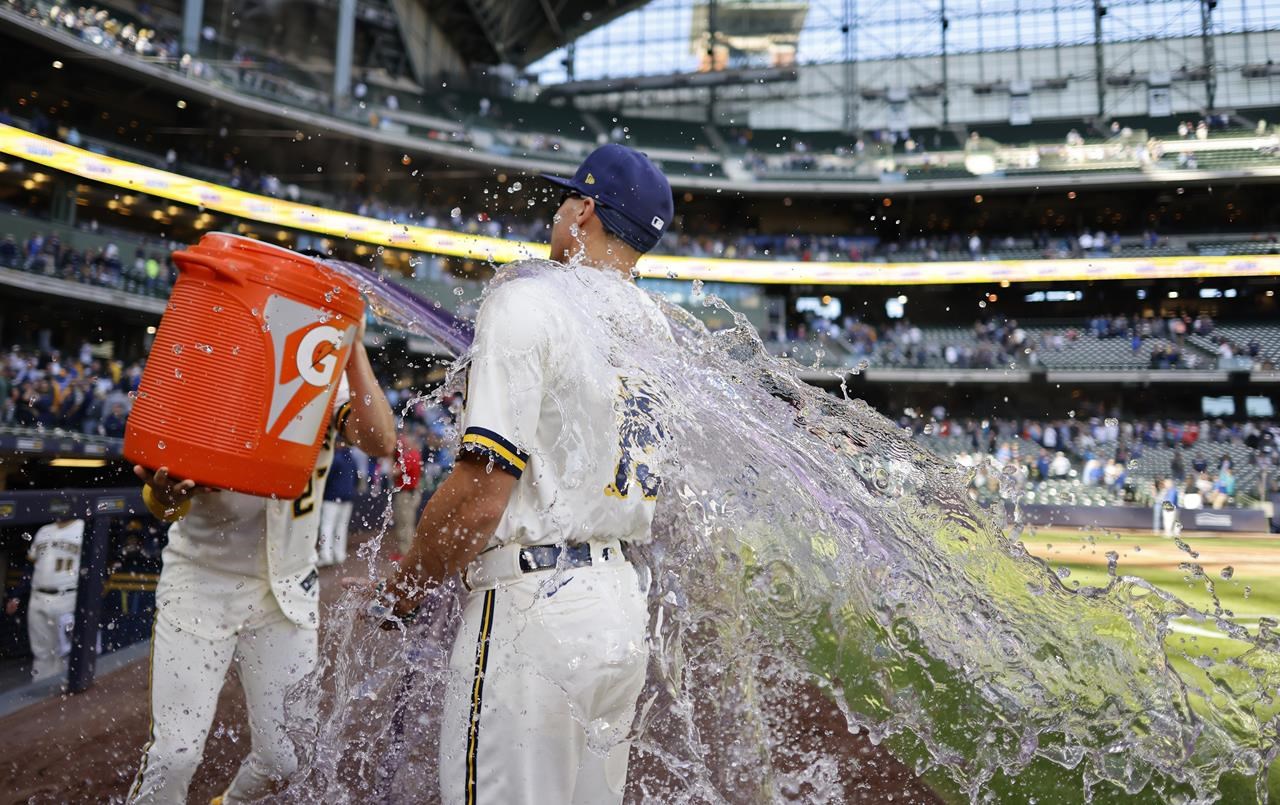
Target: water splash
803	542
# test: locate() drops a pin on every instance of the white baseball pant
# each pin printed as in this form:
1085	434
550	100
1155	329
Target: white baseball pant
404	509
187	672
335	520
544	677
45	615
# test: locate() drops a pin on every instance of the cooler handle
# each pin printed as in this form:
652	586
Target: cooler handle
216	267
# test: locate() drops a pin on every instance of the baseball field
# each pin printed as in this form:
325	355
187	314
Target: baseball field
81	749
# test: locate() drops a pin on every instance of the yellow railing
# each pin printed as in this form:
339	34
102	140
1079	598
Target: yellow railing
136	178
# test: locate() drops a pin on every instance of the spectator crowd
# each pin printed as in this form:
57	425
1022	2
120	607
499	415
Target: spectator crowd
999	342
81	393
1196	458
149	271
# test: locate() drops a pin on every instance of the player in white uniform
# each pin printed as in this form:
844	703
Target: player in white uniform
55	550
549	489
239	582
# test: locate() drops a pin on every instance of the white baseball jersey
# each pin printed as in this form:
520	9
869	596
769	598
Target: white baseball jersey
55	550
546	403
234	552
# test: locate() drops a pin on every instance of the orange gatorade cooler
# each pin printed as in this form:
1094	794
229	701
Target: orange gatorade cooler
240	382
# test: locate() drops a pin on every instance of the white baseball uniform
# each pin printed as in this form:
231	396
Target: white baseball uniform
239	582
548	665
55	550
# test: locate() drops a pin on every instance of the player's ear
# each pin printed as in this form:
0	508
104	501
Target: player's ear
586	210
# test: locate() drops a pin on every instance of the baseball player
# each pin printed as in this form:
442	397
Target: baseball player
549	489
335	512
239	582
55	552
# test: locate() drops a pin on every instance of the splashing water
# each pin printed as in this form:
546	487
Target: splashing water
802	542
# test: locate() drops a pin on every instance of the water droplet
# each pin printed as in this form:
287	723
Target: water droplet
1111	422
406	160
1064	572
177	373
205	348
458	291
248	445
160	444
1167	506
217	308
1227	572
515	187
380	250
368	399
456	212
1248	591
177	349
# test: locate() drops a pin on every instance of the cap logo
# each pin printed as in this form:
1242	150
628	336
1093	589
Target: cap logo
590	179
657	222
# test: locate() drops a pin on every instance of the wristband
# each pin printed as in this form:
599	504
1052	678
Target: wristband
158	509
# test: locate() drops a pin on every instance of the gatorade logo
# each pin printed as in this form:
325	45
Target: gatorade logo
308	358
317	356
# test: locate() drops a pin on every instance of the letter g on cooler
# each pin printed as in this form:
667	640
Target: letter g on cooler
308	355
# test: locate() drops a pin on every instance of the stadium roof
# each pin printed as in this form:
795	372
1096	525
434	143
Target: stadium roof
522	31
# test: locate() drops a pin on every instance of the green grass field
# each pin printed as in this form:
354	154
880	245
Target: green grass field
1247	591
1243	569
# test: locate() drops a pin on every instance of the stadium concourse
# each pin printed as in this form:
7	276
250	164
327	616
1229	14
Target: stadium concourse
1044	252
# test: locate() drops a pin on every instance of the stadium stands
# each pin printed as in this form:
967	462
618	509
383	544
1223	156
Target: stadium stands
507	126
1106	462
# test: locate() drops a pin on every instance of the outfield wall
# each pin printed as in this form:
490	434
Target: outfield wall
1140	518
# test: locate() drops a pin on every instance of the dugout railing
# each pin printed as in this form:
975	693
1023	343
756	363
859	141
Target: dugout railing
101	509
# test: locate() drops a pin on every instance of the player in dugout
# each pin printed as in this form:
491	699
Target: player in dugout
239	582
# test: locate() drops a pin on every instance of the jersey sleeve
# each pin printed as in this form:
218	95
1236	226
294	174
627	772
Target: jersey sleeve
505	381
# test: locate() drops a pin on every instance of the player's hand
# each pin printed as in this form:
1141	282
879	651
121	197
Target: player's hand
392	611
11	606
169	492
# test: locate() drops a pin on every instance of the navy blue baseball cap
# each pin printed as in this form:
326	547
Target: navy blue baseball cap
633	198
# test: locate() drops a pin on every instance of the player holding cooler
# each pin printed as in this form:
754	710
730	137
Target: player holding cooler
239	582
537	514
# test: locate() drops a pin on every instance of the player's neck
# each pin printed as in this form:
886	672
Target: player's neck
606	255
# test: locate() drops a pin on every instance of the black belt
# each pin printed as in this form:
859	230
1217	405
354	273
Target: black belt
51	591
544	557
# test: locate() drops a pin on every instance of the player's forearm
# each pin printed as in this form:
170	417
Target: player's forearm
370	426
449	536
457	522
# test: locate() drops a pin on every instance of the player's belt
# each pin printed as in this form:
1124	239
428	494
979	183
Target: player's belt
544	557
55	591
507	562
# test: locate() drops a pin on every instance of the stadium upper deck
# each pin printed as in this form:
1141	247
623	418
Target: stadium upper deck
462	128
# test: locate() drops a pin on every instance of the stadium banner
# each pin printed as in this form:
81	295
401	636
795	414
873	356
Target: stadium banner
141	179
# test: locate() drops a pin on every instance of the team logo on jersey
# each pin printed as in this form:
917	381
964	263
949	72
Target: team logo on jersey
309	353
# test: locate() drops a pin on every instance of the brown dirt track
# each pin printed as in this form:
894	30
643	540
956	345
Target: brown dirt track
85	748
